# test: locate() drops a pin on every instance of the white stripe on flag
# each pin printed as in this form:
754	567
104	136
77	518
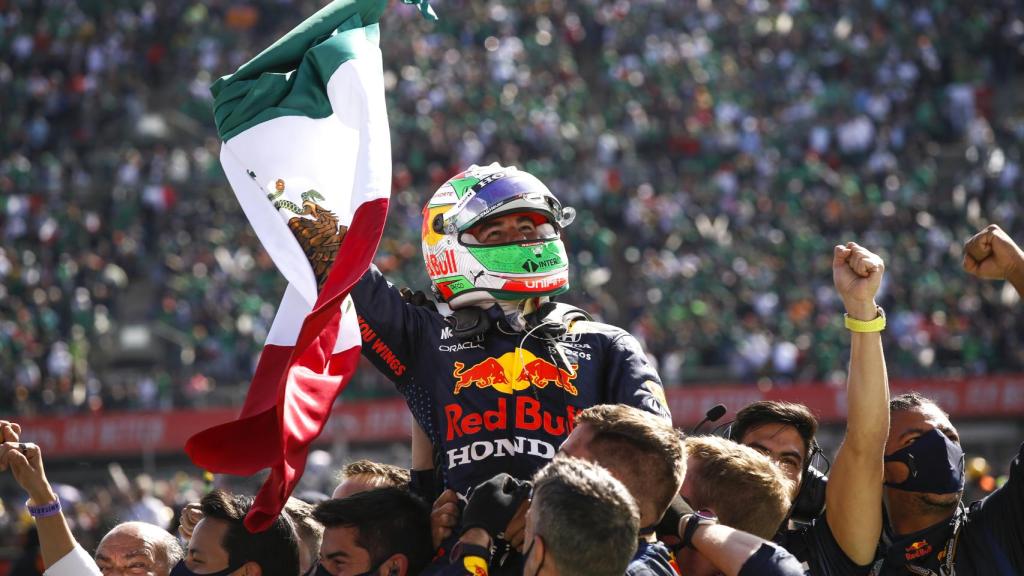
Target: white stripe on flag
315	154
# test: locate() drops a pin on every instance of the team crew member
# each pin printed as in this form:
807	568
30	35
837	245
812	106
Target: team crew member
646	455
497	381
933	531
843	539
743	497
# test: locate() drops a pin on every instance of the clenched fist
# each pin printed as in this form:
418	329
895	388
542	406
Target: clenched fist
993	255
191	514
857	273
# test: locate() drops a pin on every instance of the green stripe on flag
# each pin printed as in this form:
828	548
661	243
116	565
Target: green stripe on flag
290	77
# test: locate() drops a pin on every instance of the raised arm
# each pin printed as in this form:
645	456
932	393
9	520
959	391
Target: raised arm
854	494
993	255
56	543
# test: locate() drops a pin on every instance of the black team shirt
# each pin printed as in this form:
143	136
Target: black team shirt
991	540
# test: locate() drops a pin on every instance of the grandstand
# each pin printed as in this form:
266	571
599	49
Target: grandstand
713	150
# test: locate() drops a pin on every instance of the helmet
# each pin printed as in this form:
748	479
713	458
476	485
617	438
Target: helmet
465	272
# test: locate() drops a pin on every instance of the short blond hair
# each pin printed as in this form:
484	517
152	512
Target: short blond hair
642	450
745	488
382	475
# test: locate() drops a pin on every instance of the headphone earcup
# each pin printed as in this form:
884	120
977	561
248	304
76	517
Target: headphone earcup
810	500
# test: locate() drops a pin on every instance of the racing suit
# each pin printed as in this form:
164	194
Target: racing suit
502	401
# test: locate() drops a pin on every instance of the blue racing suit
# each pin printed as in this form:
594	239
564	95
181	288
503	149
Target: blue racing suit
502	401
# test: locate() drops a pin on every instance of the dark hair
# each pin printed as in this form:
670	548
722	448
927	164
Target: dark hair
587	519
909	400
276	549
308	530
764	412
389	520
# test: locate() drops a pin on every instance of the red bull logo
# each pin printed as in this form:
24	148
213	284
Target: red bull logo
514	371
917	550
475	565
441	265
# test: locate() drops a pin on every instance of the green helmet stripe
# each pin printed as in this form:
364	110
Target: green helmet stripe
452	285
462	185
540	258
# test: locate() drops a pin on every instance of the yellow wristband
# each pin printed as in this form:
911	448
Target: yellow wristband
876	325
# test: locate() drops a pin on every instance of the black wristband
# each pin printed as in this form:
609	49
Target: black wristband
694	521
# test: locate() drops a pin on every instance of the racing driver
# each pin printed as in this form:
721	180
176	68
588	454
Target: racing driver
497	376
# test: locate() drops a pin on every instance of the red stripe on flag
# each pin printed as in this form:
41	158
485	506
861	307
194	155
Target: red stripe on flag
294	388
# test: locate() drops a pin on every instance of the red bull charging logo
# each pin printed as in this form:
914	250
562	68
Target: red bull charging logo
514	371
917	550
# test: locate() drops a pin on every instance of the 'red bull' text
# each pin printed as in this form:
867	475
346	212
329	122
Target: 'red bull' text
528	416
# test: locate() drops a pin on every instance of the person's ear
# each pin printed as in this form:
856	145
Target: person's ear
396	565
537	551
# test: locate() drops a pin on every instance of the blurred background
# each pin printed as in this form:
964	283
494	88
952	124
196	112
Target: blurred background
715	153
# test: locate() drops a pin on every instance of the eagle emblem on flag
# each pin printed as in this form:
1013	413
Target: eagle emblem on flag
316	228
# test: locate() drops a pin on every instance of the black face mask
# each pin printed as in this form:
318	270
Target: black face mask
936	465
180	569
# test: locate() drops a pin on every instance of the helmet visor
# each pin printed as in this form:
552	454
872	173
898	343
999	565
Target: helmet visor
510	227
509	191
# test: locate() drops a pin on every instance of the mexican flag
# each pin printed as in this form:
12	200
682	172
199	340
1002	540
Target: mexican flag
306	148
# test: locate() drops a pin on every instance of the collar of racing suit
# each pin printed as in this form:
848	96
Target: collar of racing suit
516	310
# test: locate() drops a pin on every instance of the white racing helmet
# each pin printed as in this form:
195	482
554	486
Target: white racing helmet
465	272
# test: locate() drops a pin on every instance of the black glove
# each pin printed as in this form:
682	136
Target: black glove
417	298
494	503
668	527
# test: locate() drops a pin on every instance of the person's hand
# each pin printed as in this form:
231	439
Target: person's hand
444	516
515	531
494	503
857	274
9	431
191	514
993	255
25	462
417	298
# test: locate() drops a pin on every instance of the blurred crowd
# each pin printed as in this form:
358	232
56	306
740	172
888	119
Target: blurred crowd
711	149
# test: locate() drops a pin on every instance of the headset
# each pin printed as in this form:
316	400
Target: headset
810	499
